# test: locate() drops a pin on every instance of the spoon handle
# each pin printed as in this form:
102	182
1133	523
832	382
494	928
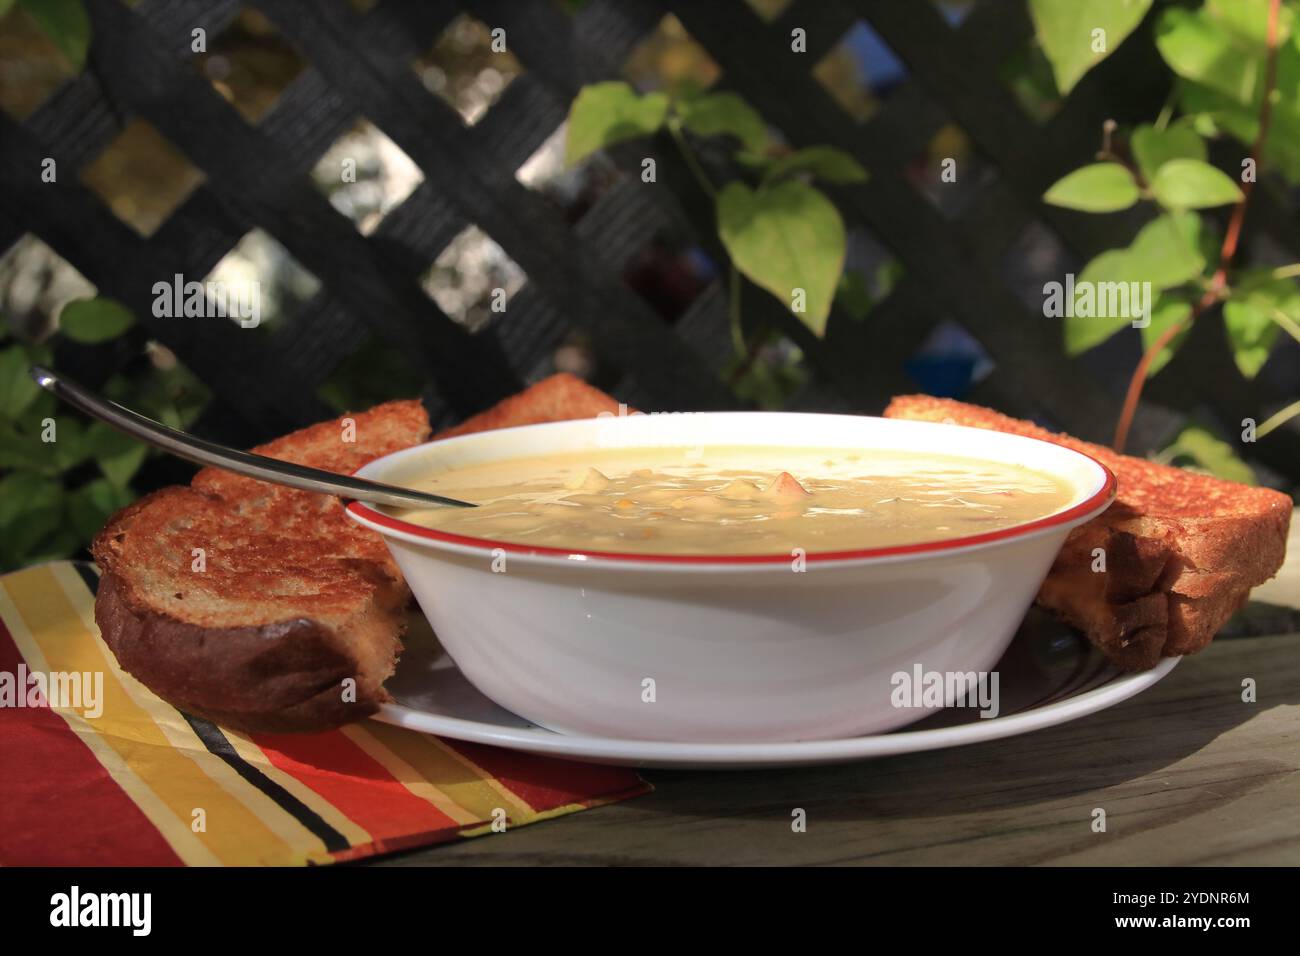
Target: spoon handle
273	470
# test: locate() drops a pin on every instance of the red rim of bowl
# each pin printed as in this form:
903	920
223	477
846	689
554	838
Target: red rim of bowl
1104	494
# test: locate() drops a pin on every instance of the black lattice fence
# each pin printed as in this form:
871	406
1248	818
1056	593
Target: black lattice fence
959	267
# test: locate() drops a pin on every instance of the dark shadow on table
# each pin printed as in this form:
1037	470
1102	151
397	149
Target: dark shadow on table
1199	701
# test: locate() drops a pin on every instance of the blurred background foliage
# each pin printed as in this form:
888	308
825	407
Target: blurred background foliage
55	495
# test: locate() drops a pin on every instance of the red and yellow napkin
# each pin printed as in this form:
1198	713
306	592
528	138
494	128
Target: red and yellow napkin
144	784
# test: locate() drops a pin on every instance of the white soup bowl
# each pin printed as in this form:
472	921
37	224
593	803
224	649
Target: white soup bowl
728	648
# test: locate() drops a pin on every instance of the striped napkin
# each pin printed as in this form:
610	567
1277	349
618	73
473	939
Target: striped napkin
140	783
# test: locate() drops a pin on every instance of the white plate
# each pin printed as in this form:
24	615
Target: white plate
1048	676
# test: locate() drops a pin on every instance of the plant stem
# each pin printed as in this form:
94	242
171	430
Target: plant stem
750	356
733	303
733	310
1107	135
688	154
1226	253
1167	111
746	355
1288	324
1140	373
1274	421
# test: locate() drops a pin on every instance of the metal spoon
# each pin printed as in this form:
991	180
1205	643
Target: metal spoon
277	472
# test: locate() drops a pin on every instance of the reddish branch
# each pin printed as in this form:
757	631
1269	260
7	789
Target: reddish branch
1214	291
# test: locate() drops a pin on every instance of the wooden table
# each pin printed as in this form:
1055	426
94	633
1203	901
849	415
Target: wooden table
1186	772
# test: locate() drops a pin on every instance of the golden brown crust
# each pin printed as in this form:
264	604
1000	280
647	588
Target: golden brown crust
250	604
282	678
341	445
1182	550
558	398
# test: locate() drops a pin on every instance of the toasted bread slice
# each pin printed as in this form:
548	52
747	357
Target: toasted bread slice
1182	550
251	604
558	398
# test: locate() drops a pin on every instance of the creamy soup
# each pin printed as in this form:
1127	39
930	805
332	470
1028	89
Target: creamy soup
737	500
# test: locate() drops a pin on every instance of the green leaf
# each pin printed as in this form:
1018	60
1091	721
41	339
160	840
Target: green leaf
91	505
65	22
1085	330
1209	454
118	456
69	447
1152	147
1028	74
1166	253
1251	315
1282	145
1193	184
1204	123
175	397
772	379
1223	46
16	452
1247	20
1197	50
19	490
1101	187
44	407
61	544
785	237
23	445
121	468
1168	250
608	113
17	390
91	321
853	295
824	162
1065	32
1168	311
1251	333
5	6
888	275
372	373
714	114
31	508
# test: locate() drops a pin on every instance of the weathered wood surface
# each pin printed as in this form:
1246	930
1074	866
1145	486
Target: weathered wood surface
1187	773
